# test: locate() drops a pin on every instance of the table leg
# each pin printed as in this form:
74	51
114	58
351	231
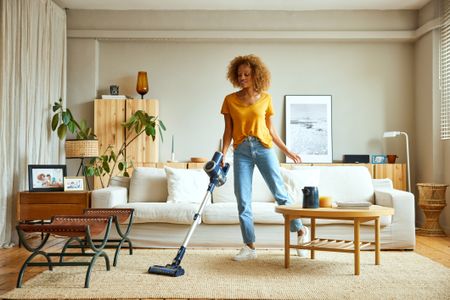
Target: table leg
313	234
377	241
356	243
287	241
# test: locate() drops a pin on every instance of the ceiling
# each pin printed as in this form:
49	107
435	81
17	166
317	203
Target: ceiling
242	4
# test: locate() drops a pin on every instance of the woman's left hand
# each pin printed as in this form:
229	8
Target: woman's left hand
294	156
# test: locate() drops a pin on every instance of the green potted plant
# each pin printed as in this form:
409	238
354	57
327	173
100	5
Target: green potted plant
85	143
140	123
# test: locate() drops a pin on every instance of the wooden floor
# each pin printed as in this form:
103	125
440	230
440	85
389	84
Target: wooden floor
11	260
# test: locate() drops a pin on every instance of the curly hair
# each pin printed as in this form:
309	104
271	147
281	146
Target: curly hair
260	73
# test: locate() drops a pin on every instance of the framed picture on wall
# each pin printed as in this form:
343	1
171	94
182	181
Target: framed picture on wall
308	127
46	178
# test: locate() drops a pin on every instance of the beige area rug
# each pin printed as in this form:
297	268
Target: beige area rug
212	274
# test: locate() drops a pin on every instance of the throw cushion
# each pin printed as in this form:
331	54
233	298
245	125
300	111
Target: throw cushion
186	185
148	185
121	181
295	180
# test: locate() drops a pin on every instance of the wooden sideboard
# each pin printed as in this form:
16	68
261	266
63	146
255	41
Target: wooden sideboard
44	205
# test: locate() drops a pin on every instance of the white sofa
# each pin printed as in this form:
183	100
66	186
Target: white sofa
165	201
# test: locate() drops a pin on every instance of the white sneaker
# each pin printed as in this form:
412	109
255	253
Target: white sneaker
303	239
246	253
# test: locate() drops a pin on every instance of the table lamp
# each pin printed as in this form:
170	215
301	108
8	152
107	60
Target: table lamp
392	134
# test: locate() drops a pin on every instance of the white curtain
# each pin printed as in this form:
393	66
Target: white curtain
33	52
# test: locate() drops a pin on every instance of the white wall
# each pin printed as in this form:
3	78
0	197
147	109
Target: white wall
371	82
371	85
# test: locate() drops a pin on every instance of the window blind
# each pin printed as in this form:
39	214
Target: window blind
445	71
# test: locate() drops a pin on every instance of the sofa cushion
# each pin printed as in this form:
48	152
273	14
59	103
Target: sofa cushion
225	193
186	185
227	213
148	185
295	180
345	183
154	212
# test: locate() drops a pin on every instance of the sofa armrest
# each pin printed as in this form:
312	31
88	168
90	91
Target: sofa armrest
401	201
403	220
109	197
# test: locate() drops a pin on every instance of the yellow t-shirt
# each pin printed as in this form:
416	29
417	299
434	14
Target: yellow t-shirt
249	120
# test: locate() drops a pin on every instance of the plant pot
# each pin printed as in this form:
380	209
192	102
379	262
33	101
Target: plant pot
81	148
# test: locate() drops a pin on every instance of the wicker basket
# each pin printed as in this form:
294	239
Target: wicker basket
432	201
81	148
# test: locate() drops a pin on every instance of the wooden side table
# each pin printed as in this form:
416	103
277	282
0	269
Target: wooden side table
44	205
432	200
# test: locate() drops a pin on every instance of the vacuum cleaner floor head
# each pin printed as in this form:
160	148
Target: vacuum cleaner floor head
167	270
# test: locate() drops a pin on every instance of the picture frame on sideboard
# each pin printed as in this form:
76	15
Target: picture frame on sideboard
46	178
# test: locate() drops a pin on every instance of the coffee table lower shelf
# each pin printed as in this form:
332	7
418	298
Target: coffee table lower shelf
332	245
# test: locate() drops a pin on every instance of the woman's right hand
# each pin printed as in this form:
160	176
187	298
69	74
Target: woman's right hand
294	156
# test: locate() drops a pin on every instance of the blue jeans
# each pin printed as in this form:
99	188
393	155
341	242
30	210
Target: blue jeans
248	154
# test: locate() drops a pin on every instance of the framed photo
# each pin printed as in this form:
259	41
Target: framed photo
74	183
378	159
46	178
308	127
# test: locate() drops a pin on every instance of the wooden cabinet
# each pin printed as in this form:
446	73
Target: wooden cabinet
45	205
109	115
395	172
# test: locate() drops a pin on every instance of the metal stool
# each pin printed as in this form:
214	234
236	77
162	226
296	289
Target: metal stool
120	216
74	227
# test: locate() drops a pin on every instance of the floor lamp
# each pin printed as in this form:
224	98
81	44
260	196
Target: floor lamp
392	134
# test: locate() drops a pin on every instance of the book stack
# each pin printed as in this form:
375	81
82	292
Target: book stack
114	97
353	205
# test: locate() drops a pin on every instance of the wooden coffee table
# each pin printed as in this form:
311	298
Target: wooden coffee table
358	216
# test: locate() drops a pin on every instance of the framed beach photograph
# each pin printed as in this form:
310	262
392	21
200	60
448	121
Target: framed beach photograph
46	178
74	183
308	127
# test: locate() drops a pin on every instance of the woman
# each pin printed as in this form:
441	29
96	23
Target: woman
248	122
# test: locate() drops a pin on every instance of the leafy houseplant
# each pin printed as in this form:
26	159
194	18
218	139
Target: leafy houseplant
139	123
85	144
63	120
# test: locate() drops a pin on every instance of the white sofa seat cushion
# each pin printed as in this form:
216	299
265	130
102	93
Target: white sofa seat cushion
260	191
148	185
345	183
227	213
157	212
186	185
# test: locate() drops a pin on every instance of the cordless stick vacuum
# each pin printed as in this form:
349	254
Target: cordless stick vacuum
217	177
